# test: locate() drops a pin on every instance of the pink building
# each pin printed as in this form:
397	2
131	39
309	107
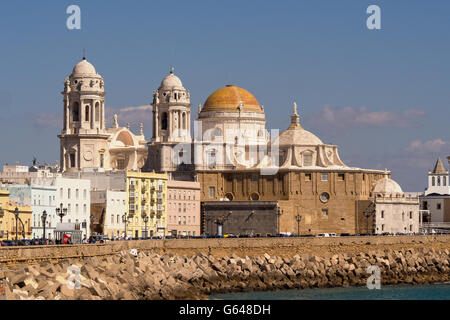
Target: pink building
183	208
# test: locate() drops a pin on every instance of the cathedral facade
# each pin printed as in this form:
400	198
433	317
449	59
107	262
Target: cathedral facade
235	158
85	142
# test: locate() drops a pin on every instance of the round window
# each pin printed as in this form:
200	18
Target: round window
229	196
324	197
254	196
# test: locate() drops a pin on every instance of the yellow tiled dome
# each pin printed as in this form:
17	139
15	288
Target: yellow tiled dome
229	98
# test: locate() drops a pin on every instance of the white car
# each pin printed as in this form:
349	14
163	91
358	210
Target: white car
326	235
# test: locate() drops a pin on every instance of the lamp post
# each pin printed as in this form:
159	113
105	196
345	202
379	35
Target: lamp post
61	212
145	219
92	218
298	217
279	212
44	219
16	214
125	220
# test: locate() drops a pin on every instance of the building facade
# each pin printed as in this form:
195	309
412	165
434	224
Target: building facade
183	208
8	223
394	211
74	195
435	202
41	196
146	200
109	207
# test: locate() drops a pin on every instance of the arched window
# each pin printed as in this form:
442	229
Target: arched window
76	112
444	181
433	181
87	113
164	121
439	181
184	120
97	111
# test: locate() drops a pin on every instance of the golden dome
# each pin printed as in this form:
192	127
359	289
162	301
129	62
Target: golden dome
229	98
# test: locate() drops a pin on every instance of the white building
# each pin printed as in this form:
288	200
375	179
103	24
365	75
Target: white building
394	211
43	198
438	182
75	196
435	202
109	206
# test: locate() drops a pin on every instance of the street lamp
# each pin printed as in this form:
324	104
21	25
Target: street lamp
279	212
145	218
298	217
125	220
61	212
44	219
16	213
92	218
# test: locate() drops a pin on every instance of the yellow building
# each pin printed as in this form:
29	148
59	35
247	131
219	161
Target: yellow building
8	219
146	199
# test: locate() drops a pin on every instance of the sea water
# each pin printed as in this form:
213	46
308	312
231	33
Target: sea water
391	292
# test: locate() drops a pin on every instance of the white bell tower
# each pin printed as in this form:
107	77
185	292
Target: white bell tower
83	138
171	111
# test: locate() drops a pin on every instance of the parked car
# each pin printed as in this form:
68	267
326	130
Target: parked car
323	235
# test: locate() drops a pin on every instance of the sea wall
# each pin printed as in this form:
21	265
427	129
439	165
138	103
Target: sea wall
284	247
148	274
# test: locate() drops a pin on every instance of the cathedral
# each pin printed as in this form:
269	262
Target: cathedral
291	176
236	159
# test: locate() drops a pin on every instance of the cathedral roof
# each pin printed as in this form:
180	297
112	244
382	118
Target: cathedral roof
232	99
439	167
296	135
83	68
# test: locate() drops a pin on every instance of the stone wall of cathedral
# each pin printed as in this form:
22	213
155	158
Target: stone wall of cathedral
327	201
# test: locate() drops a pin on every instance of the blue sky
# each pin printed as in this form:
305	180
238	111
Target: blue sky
382	96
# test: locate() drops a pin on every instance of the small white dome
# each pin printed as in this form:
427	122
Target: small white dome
171	81
387	186
84	67
298	136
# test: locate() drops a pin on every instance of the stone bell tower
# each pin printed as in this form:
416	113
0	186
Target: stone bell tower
171	111
171	137
83	139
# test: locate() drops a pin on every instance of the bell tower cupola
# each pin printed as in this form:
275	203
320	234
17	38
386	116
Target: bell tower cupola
171	111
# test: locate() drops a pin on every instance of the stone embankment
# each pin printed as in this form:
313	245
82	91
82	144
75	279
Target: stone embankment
136	274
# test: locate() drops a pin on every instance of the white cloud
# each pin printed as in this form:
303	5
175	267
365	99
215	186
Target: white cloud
349	117
133	115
